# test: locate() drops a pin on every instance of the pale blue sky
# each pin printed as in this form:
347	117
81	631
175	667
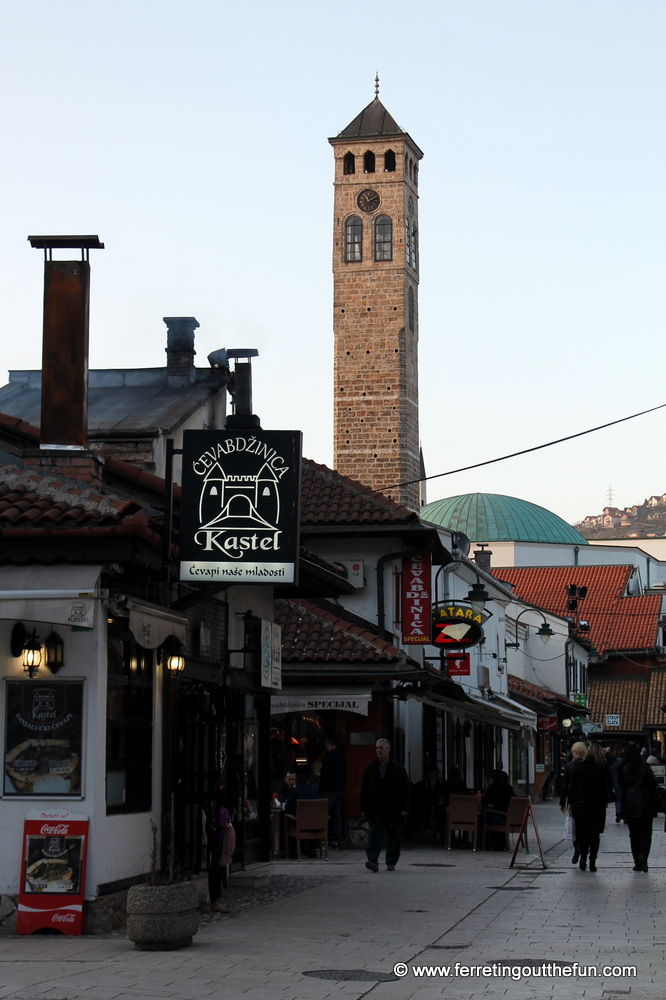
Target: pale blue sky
192	138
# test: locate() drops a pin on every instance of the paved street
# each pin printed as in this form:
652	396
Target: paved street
474	911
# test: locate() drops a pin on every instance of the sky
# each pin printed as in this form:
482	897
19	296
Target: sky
193	139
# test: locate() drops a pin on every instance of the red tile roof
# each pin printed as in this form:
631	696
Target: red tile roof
654	714
327	497
312	635
617	623
623	696
31	505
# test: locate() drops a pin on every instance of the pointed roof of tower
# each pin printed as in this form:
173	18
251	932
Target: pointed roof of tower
373	120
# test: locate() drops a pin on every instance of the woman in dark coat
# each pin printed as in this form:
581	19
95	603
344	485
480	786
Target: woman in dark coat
590	791
638	784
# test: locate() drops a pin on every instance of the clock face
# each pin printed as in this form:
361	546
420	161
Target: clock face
368	200
410	205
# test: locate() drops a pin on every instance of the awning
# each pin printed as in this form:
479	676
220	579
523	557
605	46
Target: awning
62	594
481	710
320	699
151	624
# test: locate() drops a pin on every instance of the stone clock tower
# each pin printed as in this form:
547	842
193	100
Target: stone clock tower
376	277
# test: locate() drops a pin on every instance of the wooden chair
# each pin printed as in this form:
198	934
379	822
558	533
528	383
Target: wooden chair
463	814
513	820
311	824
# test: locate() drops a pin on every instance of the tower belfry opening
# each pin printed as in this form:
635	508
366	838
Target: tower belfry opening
375	270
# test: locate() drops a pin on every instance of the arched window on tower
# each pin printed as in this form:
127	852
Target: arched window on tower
369	162
415	246
408	243
353	239
349	164
389	161
410	307
383	238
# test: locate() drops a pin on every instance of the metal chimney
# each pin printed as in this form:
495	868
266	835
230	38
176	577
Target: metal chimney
64	403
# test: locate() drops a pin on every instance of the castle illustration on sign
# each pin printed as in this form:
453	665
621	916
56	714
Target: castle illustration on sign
238	501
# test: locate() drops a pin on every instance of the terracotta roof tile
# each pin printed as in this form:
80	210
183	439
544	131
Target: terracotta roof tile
31	504
616	622
315	636
654	715
623	696
522	687
327	497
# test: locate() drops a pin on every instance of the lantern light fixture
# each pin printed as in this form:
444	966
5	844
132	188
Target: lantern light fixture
31	654
478	597
172	653
55	648
545	632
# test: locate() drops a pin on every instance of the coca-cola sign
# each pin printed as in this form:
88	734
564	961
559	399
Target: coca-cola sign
55	831
63	918
53	871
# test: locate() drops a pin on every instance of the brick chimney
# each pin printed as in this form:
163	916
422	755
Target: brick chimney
63	437
482	557
180	344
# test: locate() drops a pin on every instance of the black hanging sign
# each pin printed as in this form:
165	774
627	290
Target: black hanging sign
239	514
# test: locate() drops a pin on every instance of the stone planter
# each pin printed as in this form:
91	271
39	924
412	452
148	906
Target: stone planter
162	917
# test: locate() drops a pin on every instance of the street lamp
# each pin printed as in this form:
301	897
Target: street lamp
478	596
544	631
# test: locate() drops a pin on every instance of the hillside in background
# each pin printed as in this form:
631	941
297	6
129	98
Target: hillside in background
644	520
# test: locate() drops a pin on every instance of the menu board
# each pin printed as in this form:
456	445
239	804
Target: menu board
43	739
53	868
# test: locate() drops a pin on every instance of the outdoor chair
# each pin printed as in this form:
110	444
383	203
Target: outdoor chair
311	824
512	820
463	814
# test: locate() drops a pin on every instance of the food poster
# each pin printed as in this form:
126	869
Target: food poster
43	738
53	863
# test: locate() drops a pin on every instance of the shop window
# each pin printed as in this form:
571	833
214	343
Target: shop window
383	238
369	162
353	239
129	725
349	163
389	161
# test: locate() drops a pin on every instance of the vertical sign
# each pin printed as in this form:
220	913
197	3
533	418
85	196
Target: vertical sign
266	653
416	627
276	658
239	520
53	871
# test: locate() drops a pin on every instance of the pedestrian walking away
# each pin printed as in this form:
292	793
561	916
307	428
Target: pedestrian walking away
638	785
578	752
385	798
590	791
332	785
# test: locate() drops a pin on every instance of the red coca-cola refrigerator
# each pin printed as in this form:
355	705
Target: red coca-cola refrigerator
53	871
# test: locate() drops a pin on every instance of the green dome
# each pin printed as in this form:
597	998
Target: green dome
491	517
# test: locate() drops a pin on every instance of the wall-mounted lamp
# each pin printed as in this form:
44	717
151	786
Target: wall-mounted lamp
544	631
55	648
172	655
32	654
567	723
478	597
248	646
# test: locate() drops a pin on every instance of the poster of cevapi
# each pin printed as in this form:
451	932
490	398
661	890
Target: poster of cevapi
239	520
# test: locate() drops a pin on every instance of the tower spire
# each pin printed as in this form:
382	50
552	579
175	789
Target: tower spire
376	84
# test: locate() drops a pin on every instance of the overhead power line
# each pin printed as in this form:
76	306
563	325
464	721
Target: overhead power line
514	454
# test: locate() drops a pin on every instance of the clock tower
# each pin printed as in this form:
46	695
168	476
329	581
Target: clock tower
376	277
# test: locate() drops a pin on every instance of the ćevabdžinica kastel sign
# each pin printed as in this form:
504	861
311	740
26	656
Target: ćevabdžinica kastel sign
239	520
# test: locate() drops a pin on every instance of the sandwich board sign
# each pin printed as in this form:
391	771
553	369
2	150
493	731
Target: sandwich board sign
53	871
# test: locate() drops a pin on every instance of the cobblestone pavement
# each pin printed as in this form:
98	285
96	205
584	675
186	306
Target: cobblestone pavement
343	936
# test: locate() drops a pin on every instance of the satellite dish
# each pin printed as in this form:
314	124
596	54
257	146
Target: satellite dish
461	542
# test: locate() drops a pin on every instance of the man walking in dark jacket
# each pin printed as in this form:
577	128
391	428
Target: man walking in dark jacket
385	796
332	785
